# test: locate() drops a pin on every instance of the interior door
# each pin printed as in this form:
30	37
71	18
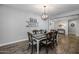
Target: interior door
72	27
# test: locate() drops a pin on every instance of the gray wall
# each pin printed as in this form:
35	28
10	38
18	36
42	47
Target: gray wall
12	25
13	22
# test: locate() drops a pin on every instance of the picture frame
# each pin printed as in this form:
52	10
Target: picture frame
72	24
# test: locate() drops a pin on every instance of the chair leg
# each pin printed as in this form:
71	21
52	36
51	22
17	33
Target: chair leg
40	48
53	43
56	42
46	49
28	47
32	50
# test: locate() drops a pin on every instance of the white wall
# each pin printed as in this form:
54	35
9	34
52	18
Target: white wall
65	25
13	24
77	27
75	30
51	25
43	24
64	20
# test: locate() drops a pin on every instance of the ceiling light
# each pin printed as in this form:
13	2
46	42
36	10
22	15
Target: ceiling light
44	14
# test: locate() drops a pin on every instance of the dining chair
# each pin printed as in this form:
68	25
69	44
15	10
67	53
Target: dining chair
49	41
54	36
32	42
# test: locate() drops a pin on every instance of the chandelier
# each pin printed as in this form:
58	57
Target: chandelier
44	14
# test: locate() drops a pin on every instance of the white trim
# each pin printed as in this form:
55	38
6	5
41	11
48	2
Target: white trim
12	42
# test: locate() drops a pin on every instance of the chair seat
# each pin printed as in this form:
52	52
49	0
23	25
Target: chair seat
44	42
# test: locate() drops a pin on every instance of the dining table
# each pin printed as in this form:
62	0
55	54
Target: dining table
38	38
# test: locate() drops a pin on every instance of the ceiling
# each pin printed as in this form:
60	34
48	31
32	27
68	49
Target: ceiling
53	10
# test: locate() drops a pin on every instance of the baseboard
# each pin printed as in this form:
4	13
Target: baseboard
12	42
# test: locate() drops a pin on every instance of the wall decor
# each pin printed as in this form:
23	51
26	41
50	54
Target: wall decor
72	25
60	25
32	22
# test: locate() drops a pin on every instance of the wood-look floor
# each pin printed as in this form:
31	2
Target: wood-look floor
66	45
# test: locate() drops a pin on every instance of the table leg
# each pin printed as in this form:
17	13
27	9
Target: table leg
37	46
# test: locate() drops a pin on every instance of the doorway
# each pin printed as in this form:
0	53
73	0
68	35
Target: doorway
72	24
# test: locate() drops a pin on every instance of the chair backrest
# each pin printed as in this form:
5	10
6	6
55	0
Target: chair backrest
52	35
49	35
55	34
35	31
42	31
29	36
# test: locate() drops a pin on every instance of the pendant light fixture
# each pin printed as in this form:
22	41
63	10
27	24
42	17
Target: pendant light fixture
44	14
